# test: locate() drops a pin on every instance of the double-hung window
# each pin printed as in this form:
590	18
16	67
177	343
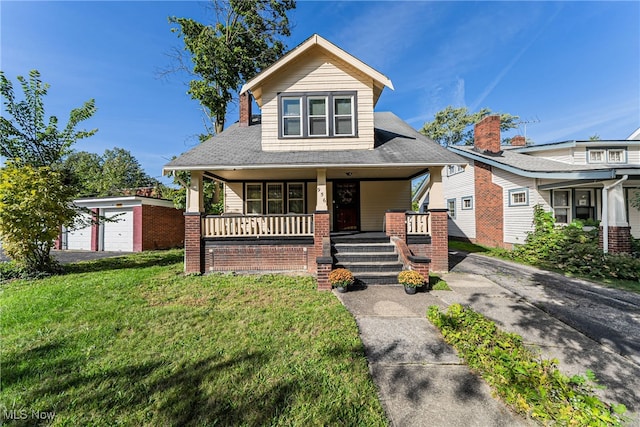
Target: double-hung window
253	199
343	115
291	116
296	197
561	200
318	117
317	114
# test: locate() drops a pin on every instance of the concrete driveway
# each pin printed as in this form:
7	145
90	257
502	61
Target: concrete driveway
609	316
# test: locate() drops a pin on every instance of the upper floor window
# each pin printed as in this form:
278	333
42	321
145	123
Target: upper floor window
519	197
317	114
611	155
454	169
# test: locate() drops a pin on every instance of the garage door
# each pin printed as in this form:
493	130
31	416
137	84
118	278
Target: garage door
80	239
118	236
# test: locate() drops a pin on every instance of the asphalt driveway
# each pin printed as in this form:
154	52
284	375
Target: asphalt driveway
608	316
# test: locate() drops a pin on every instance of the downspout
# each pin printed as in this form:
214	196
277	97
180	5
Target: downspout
605	212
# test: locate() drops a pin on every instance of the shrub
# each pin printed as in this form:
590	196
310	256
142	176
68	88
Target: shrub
341	277
532	386
410	278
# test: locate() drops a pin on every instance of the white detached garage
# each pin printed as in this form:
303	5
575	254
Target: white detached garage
136	223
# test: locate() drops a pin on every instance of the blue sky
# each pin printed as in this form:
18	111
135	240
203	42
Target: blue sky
570	68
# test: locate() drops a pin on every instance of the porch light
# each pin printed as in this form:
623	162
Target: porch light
348	173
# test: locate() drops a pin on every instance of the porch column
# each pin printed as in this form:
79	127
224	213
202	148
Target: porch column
321	196
614	219
193	248
396	224
436	195
439	239
322	249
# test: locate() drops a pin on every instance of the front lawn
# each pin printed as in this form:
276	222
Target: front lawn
132	341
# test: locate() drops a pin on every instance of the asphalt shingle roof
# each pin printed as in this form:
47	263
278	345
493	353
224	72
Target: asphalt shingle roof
396	143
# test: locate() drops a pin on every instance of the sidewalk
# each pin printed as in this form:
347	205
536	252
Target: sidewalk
421	380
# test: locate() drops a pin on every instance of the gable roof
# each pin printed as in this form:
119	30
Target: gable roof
397	144
315	41
539	167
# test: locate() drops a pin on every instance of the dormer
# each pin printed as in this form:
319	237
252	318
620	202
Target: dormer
317	97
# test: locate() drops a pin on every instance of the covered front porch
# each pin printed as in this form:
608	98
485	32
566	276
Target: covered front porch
247	236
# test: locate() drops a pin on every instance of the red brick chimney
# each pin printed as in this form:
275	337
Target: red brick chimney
518	141
245	109
486	135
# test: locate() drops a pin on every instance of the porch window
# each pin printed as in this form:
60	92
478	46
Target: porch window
296	197
318	117
519	197
561	199
253	199
343	115
275	199
292	116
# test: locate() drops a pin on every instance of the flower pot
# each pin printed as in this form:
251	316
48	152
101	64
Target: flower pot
410	290
341	289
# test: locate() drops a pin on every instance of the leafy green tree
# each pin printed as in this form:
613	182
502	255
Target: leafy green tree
107	175
34	203
243	40
26	135
35	191
453	126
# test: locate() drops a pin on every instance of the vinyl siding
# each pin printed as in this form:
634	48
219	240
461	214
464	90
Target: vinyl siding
317	72
376	197
456	187
565	155
233	198
517	219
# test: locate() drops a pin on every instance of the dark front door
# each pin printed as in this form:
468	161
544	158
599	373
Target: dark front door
346	203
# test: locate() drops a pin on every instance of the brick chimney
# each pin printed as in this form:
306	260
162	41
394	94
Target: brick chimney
518	141
245	109
486	135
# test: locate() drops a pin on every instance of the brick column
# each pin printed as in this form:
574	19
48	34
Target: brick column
619	239
95	229
439	240
396	224
193	247
322	248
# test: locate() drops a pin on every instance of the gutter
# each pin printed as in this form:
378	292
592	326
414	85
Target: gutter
605	212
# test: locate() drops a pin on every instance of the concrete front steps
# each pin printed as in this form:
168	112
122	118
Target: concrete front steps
371	257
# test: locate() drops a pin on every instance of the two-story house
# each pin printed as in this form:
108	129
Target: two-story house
491	200
317	165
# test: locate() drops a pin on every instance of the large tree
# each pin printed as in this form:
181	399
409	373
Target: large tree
35	190
25	134
244	38
453	126
111	174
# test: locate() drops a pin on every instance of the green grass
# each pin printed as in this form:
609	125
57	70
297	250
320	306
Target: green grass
133	341
437	284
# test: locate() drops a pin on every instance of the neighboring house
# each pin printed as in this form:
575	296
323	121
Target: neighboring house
134	224
491	200
317	163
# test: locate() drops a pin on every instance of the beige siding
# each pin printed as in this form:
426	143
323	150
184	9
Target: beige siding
376	197
233	198
633	155
318	72
456	187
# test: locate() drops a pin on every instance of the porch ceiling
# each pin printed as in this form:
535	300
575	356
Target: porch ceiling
292	174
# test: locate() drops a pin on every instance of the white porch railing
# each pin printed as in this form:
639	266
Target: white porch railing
417	224
257	226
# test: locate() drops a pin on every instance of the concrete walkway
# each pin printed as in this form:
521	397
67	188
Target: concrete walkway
421	380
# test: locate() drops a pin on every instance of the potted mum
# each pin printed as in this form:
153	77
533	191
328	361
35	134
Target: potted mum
341	278
410	279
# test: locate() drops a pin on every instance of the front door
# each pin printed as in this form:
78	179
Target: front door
346	205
